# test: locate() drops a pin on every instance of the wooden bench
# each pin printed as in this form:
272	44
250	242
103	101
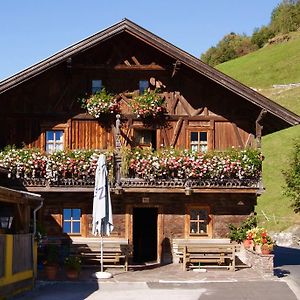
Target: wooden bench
209	256
115	254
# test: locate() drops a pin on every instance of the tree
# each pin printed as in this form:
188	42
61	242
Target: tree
286	16
261	36
231	46
292	178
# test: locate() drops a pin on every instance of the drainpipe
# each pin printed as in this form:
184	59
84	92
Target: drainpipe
33	236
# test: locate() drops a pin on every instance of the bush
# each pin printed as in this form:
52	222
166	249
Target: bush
292	178
239	233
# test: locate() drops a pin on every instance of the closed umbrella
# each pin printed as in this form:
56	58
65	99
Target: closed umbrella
102	211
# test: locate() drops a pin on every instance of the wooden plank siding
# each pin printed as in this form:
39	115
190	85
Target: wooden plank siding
22	253
2	255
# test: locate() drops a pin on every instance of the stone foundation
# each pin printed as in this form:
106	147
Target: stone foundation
263	264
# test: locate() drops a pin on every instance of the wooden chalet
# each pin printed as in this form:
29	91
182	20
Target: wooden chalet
205	110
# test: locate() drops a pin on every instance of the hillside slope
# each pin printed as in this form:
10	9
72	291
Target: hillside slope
273	65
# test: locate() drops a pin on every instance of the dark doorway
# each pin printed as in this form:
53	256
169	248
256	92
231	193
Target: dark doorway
144	234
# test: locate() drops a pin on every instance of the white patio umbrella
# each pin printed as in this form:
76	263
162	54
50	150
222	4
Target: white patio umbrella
102	211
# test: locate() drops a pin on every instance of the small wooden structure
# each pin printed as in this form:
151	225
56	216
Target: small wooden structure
206	110
18	250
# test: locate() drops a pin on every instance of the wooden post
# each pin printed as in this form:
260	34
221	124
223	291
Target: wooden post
118	158
259	128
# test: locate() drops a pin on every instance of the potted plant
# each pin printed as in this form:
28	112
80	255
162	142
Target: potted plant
101	104
72	266
51	263
148	105
262	241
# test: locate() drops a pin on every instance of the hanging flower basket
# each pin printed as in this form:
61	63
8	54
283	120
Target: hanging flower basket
101	104
149	105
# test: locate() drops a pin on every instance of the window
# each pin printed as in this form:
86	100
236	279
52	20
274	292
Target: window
71	220
54	140
143	85
199	221
198	141
96	86
145	138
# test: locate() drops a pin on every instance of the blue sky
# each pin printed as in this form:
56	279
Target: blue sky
32	30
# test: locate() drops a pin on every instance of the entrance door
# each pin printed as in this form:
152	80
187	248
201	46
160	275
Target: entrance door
145	234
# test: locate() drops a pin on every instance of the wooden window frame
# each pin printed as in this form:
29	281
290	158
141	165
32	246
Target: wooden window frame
141	128
71	221
49	127
199	129
187	221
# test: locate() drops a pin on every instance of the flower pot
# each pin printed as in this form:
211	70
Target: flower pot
72	274
51	271
248	244
265	251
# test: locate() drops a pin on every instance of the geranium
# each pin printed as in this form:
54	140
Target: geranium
149	104
101	103
33	164
260	236
171	163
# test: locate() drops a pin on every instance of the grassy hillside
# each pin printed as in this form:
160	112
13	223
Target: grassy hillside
277	64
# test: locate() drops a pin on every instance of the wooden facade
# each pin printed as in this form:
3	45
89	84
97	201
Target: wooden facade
198	99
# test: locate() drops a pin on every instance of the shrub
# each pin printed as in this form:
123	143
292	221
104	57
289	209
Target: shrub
239	233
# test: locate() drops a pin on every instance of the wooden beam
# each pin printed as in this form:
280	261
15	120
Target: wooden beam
176	131
197	112
176	67
127	63
184	102
135	60
150	67
174	99
165	137
259	127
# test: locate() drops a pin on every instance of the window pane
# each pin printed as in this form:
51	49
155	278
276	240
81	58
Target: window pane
59	134
193	227
194	136
49	148
49	135
143	85
76	227
67	227
203	136
76	214
193	214
203	228
96	86
202	214
67	214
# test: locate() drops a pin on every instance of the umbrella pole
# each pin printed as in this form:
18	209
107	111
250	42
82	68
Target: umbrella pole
101	254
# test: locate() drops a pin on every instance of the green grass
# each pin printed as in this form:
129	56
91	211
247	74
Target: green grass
278	64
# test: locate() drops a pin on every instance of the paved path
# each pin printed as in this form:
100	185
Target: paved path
171	283
267	290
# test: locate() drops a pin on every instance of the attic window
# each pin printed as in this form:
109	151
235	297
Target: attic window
145	138
96	86
143	85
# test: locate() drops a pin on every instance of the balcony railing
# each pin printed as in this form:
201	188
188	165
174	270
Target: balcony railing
167	168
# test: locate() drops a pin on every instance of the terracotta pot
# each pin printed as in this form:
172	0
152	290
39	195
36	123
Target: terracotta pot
265	250
248	244
51	271
72	274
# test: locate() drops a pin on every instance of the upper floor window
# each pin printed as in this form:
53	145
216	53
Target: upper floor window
198	141
199	221
54	140
71	220
143	85
96	86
